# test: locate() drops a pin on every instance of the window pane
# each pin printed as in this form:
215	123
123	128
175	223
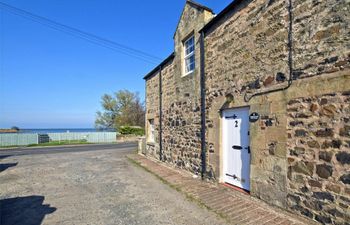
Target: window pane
192	59
192	67
188	51
189	46
188	69
190	41
189	55
190	64
188	61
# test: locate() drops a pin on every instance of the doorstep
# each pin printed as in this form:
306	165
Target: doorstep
234	206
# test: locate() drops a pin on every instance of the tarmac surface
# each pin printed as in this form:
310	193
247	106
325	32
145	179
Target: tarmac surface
92	184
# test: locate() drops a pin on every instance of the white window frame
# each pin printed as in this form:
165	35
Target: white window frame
151	131
189	55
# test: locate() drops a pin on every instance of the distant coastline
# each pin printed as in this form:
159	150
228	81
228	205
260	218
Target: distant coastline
57	130
8	131
54	130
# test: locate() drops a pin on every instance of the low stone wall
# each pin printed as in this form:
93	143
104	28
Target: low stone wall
319	157
127	138
152	150
141	149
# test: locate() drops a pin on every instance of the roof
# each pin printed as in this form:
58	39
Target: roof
222	14
199	5
194	4
212	22
170	57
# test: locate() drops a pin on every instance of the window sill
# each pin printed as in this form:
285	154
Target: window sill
151	143
187	74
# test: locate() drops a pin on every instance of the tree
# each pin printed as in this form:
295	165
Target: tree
15	128
123	109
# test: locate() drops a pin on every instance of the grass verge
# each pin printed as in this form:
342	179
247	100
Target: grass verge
178	189
54	143
11	146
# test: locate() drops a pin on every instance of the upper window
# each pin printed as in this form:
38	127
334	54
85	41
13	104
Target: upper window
189	55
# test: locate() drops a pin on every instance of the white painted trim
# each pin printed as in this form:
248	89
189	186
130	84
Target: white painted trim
186	56
221	149
225	154
189	73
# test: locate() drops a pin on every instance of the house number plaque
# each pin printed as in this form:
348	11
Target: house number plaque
254	117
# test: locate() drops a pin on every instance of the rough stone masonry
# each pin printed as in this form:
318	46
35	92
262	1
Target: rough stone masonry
287	60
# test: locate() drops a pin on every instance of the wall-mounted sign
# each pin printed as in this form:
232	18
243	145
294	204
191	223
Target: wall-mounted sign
254	117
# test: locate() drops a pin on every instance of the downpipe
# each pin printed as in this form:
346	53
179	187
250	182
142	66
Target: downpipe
160	115
202	87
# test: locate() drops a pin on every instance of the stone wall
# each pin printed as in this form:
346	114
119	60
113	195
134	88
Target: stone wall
319	157
152	113
321	37
299	159
246	52
180	98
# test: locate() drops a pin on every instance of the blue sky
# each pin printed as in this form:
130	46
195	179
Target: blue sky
49	79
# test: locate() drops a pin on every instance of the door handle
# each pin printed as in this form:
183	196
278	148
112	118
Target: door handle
233	176
237	147
242	180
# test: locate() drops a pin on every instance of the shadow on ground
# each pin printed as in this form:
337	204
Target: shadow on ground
28	210
5	166
4	156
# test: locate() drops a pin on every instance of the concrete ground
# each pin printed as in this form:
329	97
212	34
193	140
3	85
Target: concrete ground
92	185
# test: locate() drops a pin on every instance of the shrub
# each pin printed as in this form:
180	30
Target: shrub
125	130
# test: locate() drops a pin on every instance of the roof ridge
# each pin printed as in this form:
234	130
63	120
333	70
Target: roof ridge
199	5
219	16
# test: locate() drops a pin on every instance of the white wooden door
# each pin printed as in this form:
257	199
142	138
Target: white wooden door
236	149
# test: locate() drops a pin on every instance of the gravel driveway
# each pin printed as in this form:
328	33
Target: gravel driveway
95	187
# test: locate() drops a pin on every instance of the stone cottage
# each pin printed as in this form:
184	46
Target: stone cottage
258	97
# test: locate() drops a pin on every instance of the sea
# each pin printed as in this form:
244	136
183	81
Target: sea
63	130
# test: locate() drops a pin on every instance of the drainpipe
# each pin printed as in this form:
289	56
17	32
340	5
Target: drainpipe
202	87
290	58
160	115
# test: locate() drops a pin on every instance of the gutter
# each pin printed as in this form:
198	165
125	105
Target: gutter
165	61
221	15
